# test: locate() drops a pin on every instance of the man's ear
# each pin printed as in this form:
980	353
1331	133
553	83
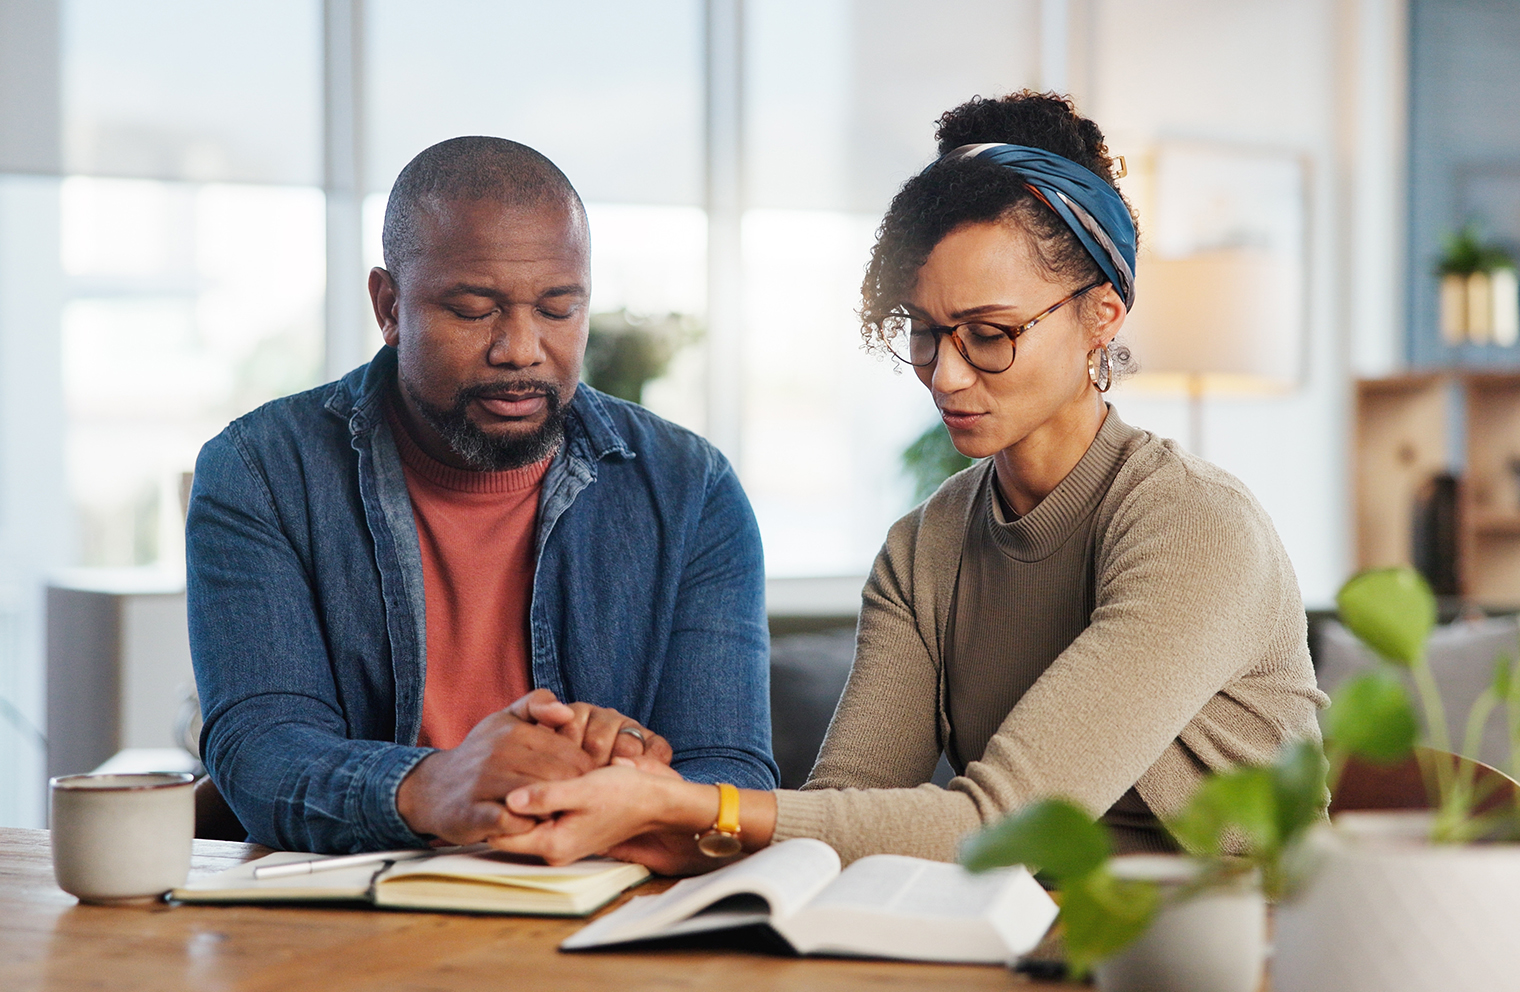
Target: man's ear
386	300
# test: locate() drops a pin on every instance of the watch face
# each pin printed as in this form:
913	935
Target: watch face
719	845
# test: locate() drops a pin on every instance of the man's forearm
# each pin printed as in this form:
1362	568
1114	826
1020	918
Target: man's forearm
295	786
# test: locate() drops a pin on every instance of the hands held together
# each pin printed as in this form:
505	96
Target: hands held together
563	781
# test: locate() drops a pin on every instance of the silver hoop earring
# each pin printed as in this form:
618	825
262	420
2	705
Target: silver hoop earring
1100	369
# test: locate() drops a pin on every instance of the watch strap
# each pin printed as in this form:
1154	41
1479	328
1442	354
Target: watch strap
728	809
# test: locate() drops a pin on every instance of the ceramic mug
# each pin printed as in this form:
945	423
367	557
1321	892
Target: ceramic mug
122	838
1210	941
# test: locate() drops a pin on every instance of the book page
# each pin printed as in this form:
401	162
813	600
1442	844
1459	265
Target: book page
785	875
889	906
888	883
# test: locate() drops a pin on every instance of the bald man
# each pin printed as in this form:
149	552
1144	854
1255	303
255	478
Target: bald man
458	568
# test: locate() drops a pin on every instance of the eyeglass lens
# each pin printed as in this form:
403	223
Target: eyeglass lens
984	346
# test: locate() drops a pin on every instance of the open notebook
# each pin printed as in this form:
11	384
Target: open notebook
883	906
468	880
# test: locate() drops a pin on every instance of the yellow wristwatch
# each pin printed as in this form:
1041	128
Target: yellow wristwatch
722	841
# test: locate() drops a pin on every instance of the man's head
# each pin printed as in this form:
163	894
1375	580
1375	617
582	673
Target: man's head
484	295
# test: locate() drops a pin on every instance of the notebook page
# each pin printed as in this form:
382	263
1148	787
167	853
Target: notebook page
490	867
238	883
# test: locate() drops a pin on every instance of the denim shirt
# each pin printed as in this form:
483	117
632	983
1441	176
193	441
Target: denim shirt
307	620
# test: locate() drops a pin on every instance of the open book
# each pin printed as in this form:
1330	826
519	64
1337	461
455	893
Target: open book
883	906
466	880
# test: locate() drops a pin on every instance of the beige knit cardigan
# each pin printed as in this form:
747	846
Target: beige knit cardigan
1196	658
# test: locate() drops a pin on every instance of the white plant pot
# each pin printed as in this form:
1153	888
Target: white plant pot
1212	942
1384	911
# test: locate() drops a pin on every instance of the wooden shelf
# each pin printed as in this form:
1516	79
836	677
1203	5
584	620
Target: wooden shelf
1405	438
1400	444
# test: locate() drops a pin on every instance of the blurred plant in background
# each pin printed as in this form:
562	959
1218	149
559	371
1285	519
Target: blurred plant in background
1463	253
930	460
1480	291
624	351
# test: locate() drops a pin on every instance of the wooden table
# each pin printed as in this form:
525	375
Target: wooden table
48	941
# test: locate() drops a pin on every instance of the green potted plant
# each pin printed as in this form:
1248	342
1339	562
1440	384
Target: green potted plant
1399	901
1186	923
625	351
1480	294
1387	901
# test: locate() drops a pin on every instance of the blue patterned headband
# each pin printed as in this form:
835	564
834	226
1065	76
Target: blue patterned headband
1089	206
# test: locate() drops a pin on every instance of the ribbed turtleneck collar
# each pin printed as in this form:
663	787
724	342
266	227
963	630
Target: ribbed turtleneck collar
461	480
1038	533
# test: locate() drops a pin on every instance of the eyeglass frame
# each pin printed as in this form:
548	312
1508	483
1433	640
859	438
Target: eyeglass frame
941	330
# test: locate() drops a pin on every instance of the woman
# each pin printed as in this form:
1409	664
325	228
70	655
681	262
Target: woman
1090	612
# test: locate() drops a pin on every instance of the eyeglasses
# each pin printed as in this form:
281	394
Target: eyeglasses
985	346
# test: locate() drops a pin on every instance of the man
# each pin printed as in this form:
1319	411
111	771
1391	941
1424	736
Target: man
380	568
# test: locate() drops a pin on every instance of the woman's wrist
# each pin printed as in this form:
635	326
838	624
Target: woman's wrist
690	807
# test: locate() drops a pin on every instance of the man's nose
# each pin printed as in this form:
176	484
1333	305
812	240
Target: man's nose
516	342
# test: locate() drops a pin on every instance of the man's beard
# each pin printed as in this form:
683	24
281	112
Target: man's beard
485	452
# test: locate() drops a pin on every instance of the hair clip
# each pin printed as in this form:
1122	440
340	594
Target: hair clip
1119	164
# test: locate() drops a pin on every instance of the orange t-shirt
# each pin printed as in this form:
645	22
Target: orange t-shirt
476	530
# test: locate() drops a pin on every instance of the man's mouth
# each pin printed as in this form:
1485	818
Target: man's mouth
514	405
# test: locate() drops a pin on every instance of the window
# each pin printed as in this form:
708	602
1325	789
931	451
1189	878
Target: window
188	305
841	99
192	246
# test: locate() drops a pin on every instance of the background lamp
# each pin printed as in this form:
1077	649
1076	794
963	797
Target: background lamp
1222	321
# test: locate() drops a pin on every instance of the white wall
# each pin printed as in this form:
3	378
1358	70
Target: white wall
1325	79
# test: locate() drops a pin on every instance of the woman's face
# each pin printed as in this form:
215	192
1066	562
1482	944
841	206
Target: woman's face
987	271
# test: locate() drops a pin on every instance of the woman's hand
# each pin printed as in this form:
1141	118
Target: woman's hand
645	816
600	731
667	852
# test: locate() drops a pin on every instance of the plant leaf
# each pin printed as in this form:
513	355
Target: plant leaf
1053	835
1102	915
1298	788
1243	798
1504	667
931	459
1372	716
1391	610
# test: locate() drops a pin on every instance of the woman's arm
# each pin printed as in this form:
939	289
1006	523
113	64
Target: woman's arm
1194	659
885	730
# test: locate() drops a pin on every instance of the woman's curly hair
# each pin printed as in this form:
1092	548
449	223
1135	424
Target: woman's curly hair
935	202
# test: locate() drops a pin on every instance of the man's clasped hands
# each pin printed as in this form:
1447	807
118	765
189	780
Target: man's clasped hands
562	781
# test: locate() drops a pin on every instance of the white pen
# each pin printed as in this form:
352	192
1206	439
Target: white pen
341	861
